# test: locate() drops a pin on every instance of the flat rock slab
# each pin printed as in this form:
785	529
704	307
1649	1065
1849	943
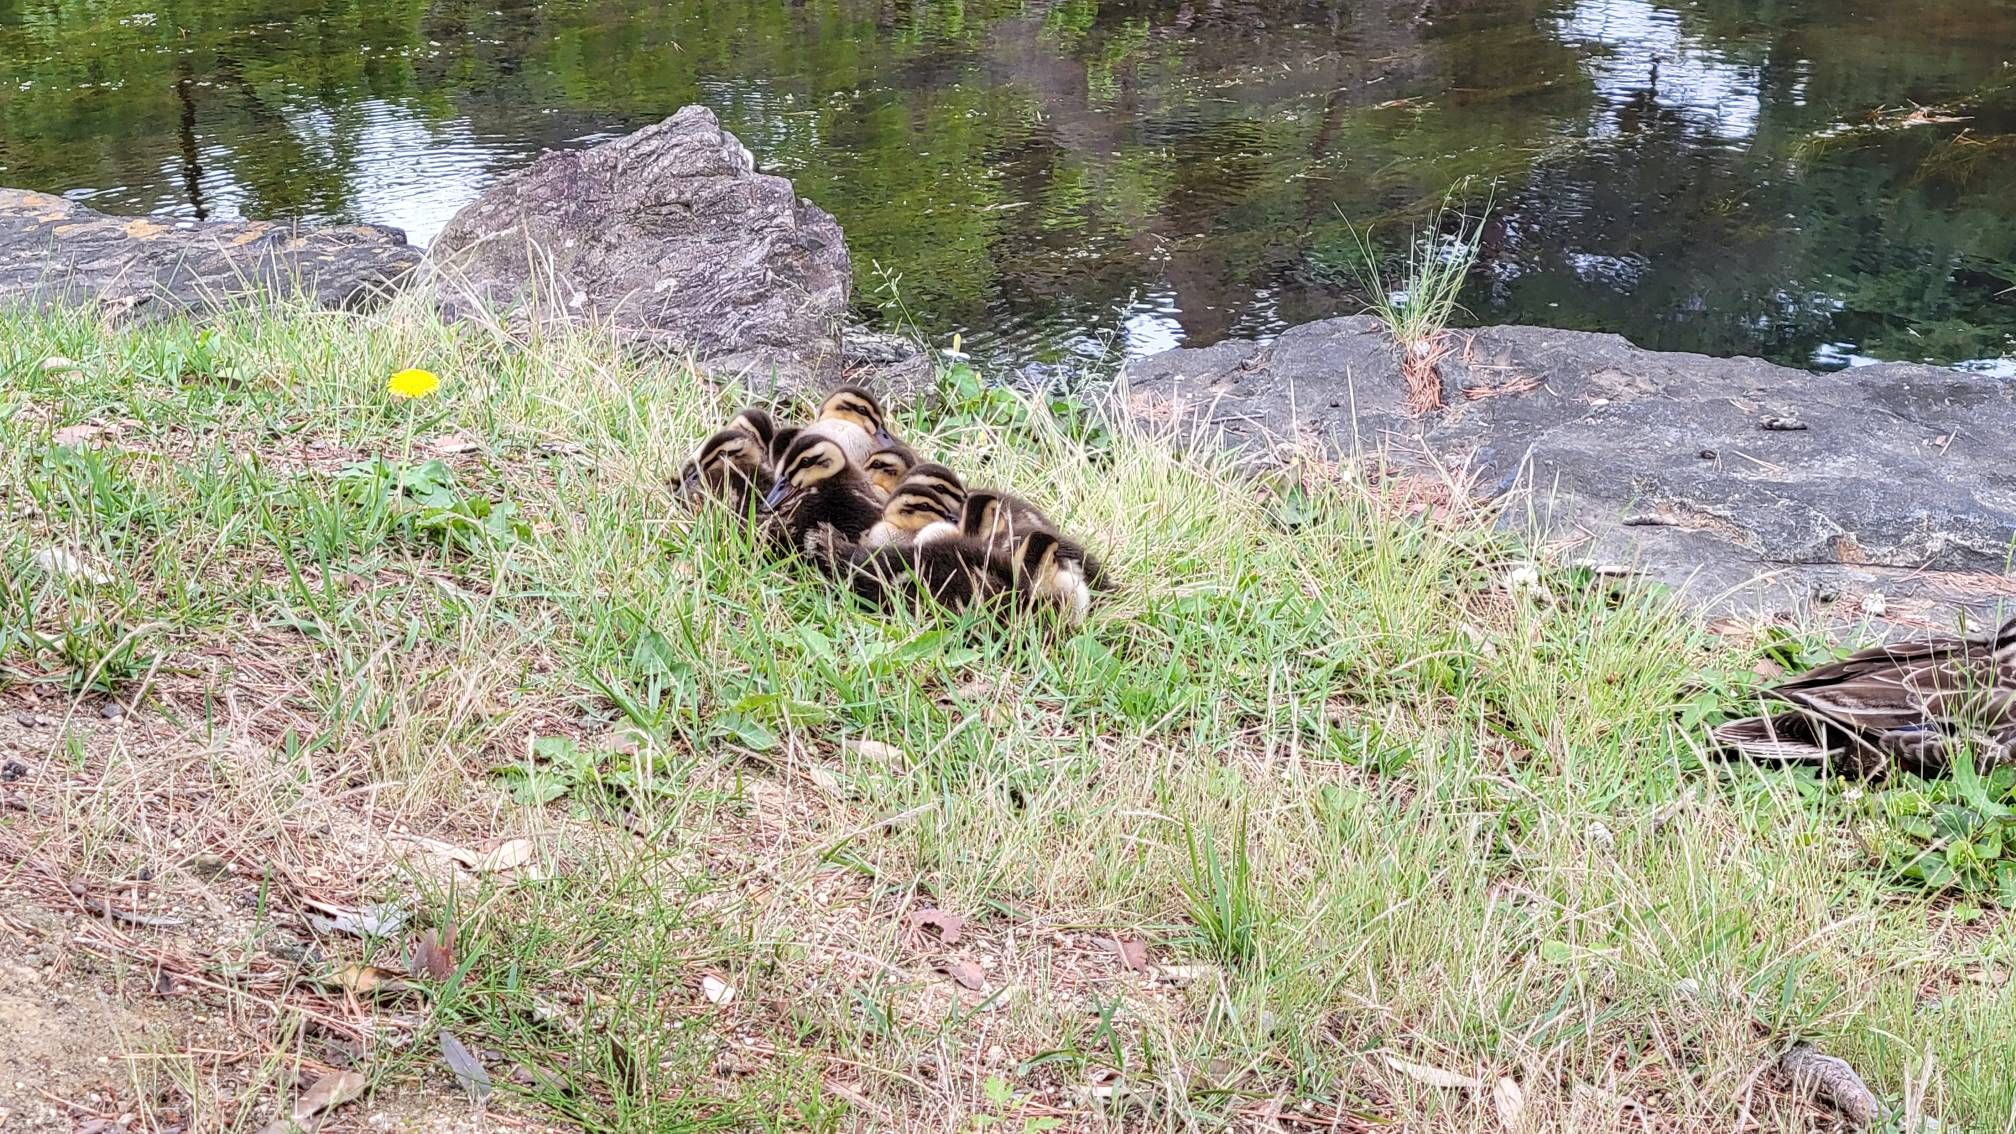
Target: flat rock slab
56	251
1748	484
668	236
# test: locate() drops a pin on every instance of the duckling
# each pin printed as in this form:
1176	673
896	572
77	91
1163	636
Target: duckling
1906	708
730	468
955	572
1001	518
780	443
925	506
886	467
756	423
1053	576
818	488
852	418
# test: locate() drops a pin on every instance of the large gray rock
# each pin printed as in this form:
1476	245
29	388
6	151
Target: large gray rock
54	250
1897	479
670	237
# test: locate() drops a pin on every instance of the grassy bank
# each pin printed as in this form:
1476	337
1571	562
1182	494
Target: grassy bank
1365	807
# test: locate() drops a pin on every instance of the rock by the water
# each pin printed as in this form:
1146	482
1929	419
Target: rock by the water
1747	483
670	237
55	250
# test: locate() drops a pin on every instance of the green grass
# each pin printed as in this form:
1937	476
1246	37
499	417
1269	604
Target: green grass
1416	294
1360	798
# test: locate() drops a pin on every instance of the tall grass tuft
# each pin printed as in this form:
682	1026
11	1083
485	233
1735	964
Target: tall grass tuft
1224	903
1416	296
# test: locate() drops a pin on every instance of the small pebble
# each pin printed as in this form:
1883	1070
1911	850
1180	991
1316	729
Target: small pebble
112	711
1874	604
12	770
25	720
1706	454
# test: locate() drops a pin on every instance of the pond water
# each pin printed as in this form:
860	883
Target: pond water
1820	182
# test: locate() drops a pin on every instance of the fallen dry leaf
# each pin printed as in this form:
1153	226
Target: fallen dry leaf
965	974
1184	974
1433	1076
454	444
66	564
371	921
80	434
434	953
329	1092
365	980
507	855
828	781
1132	951
1510	1100
1768	670
947	925
467	1069
716	990
876	750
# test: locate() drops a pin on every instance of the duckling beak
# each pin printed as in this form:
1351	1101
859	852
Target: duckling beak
776	496
689	478
883	436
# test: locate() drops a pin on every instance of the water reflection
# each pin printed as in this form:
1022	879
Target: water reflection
1640	54
1065	178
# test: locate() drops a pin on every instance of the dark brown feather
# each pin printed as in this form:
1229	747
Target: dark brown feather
1907	707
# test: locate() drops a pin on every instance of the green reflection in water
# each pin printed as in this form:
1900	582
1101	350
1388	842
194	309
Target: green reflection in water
1052	176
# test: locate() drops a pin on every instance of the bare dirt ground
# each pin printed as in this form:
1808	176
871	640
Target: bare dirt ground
149	867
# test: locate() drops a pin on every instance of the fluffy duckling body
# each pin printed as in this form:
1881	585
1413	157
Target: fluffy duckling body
924	506
1002	519
852	418
730	468
958	574
817	487
1907	707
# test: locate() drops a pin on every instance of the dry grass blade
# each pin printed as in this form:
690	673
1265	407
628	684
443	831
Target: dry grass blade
1434	1076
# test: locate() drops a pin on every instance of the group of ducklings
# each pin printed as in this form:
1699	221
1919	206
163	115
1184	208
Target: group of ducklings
847	494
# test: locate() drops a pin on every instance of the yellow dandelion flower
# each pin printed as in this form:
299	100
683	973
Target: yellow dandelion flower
413	383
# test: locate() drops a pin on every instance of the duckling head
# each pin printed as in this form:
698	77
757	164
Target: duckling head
886	467
981	515
811	461
780	443
729	455
756	423
857	407
939	478
915	507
